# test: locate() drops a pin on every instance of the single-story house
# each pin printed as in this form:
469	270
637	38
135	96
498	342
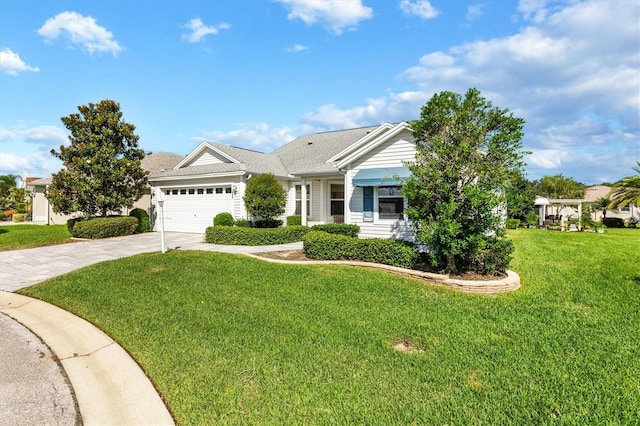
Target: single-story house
42	213
352	176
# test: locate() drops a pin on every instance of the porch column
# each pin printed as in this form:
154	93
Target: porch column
580	216
303	201
348	193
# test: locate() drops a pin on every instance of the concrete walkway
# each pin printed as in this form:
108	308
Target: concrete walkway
67	370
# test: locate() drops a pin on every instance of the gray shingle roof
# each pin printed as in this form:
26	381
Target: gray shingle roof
305	154
157	161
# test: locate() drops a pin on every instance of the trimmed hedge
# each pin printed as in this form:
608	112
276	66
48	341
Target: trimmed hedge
233	235
338	228
324	246
144	225
244	223
104	227
293	220
613	222
513	223
223	219
19	217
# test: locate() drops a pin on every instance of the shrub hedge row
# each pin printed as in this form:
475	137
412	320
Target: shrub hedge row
103	227
613	222
144	225
234	235
293	220
338	228
323	246
513	223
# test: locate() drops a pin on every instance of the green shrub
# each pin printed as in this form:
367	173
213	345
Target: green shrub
19	217
492	257
268	223
105	227
338	228
71	223
613	222
254	236
513	223
324	246
296	219
223	219
533	219
242	223
144	225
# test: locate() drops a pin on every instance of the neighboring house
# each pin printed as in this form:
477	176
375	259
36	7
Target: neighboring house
44	214
351	176
568	209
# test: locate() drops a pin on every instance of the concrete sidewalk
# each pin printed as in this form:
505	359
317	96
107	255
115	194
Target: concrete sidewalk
67	370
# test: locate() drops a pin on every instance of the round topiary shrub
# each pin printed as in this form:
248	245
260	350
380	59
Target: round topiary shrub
223	219
144	224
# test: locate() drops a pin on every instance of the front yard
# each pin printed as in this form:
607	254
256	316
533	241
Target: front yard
234	340
17	237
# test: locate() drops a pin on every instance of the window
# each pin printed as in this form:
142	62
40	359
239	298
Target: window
174	191
227	190
218	190
192	191
183	191
337	199
209	190
167	192
299	200
200	191
390	202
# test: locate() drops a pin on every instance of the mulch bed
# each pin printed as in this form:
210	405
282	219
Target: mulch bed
298	255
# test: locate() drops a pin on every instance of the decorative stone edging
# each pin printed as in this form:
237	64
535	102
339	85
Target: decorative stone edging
510	283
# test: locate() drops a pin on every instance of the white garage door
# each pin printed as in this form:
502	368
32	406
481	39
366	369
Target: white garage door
193	209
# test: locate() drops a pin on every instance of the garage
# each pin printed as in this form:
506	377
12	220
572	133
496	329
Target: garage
193	209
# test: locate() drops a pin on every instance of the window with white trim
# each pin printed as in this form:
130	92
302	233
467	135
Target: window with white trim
337	199
390	202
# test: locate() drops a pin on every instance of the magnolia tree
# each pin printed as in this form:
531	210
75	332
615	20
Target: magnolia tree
101	166
466	152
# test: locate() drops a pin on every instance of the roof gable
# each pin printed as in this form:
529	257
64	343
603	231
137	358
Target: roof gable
368	143
206	153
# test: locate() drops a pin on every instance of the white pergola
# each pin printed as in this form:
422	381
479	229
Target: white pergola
560	203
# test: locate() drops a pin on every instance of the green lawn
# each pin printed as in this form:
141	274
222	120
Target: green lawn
15	237
235	340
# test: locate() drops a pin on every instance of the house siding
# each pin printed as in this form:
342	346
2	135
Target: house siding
392	153
208	157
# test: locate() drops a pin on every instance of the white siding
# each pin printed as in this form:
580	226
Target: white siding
392	153
208	156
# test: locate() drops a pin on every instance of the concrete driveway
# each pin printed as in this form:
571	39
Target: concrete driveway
22	268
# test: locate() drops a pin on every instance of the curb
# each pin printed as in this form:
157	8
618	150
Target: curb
109	386
510	283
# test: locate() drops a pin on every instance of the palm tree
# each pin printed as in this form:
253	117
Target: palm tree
626	191
602	204
6	183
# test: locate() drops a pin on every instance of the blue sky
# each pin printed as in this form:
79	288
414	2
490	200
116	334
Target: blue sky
258	73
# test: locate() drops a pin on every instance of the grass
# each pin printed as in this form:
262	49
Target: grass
16	237
235	340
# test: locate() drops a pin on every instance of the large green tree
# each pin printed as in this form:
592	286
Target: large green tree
521	195
7	183
101	166
560	186
264	198
466	152
626	191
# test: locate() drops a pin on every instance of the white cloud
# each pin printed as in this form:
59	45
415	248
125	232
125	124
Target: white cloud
198	30
37	164
578	93
420	8
49	136
475	11
297	48
334	15
257	136
10	63
82	30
